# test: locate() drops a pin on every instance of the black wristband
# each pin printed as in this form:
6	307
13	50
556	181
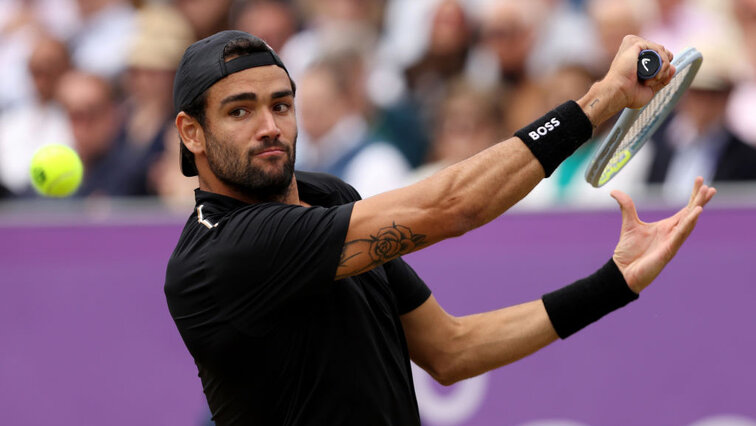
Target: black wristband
556	135
585	301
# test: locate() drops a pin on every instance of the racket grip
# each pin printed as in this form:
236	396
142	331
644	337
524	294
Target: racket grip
649	64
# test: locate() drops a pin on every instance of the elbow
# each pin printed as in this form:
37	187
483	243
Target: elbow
447	365
446	379
446	374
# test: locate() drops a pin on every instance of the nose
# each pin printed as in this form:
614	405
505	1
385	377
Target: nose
268	128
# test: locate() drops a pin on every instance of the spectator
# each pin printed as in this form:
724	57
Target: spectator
467	121
21	23
679	21
154	56
271	20
174	190
742	107
338	137
37	122
444	60
508	32
614	19
332	26
205	17
698	140
446	55
565	37
97	128
101	44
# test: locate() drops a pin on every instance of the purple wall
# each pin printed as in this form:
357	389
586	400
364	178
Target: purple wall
85	337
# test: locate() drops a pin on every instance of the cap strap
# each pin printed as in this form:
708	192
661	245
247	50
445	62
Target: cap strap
257	59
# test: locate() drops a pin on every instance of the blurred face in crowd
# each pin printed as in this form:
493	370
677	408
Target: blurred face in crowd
90	7
467	124
449	33
567	82
348	10
322	103
667	7
94	120
614	19
704	108
745	14
205	16
47	64
508	33
150	85
249	138
272	21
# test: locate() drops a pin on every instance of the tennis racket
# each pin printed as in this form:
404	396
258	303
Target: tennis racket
635	126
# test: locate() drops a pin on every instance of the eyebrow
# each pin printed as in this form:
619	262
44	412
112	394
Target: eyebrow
282	94
251	96
246	96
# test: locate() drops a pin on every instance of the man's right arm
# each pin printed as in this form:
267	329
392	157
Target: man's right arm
475	191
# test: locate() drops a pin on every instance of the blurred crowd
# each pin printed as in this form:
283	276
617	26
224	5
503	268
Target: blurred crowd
389	91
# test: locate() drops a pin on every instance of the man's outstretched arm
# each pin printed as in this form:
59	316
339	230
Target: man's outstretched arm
453	349
473	192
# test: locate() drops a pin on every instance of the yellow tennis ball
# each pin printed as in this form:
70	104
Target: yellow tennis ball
56	170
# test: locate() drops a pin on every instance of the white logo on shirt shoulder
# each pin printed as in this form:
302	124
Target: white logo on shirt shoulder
201	219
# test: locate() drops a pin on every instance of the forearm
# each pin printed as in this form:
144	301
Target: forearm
481	188
453	349
489	183
492	339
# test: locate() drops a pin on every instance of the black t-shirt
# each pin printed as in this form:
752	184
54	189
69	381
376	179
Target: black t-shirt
276	340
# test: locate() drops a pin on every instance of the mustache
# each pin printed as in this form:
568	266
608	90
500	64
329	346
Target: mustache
270	144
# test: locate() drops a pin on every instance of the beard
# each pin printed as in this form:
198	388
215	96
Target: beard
236	170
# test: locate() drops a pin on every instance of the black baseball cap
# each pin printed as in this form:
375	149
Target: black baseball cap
203	65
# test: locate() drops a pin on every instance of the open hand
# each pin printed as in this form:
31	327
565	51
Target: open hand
644	249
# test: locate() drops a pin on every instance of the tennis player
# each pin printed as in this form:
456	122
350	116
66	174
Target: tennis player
290	292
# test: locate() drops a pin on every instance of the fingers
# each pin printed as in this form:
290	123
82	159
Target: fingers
701	194
625	65
711	192
699	197
627	207
684	228
667	71
696	188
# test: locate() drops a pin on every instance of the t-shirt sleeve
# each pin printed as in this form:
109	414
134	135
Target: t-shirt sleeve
409	289
272	255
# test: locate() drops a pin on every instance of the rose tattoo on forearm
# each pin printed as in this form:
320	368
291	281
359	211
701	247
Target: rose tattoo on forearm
388	243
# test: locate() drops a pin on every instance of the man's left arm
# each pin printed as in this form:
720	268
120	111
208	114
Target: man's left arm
455	348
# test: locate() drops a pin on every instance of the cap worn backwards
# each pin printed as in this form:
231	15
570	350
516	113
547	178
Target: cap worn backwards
203	65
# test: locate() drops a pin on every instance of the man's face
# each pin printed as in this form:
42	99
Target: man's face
251	131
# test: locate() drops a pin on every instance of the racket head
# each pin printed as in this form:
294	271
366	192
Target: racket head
635	126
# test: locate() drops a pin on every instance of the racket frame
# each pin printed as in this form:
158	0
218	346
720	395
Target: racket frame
600	170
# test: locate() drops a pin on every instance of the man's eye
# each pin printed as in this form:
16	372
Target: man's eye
282	107
238	112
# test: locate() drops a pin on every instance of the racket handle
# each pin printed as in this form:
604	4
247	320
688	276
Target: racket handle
649	64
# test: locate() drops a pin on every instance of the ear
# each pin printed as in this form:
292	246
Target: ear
191	133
